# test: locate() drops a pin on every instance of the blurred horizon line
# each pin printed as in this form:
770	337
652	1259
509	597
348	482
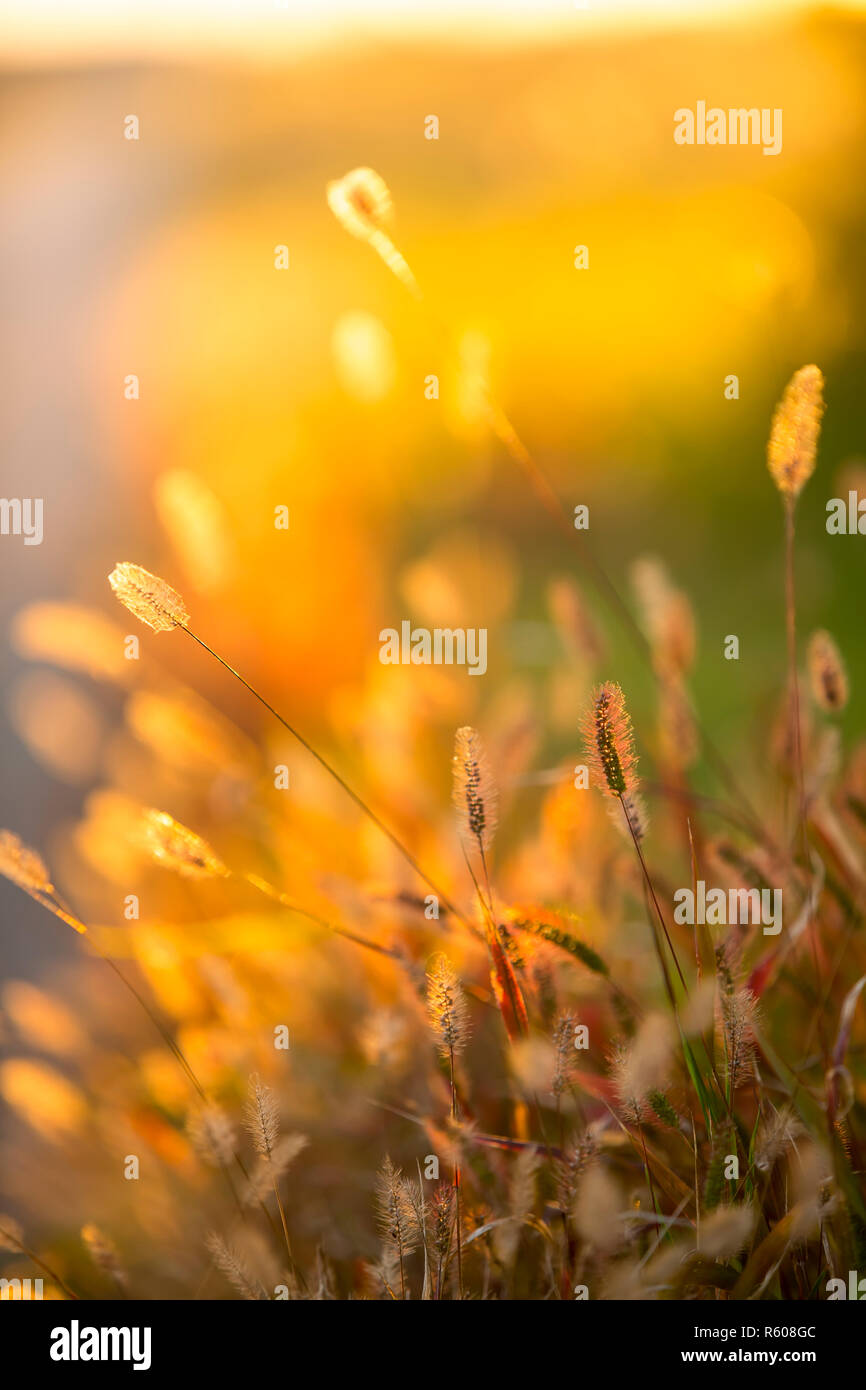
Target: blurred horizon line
42	33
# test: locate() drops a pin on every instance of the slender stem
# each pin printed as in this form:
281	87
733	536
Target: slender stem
269	891
794	696
794	684
42	1264
53	903
646	1165
283	1222
456	1182
652	893
163	1032
332	772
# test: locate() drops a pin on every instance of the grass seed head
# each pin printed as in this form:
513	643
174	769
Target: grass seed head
475	796
104	1254
609	740
398	1220
148	597
794	432
175	847
211	1134
361	202
11	1233
447	1008
827	674
23	866
261	1117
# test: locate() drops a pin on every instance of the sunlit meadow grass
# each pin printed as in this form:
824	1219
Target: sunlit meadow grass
339	1079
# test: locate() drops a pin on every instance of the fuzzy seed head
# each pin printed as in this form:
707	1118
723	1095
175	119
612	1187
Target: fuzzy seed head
443	1219
235	1269
175	847
361	202
794	432
725	1231
104	1254
645	1066
11	1233
610	741
23	866
738	1010
597	1209
827	673
261	1117
148	598
272	1167
475	796
211	1134
447	1008
563	1045
668	618
398	1221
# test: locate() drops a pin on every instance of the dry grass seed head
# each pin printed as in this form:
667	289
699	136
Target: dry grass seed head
11	1232
176	847
261	1117
827	674
474	793
447	1008
148	598
645	1064
794	432
361	202
235	1269
609	740
212	1134
395	1210
725	1231
22	865
598	1210
104	1254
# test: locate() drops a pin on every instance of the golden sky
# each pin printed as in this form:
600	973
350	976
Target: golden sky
91	30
